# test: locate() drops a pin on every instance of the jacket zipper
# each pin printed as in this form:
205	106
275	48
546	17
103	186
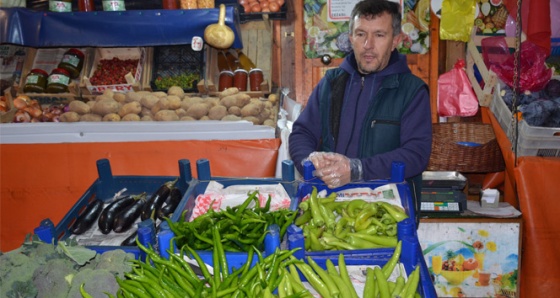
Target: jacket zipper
384	121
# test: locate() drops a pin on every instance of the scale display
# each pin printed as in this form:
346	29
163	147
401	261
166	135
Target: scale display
437	200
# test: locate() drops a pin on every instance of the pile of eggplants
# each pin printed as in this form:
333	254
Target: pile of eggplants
120	214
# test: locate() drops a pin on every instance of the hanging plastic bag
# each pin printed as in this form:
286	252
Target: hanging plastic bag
457	19
455	94
533	72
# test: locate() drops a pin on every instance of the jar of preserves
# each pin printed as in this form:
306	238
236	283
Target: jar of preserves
58	81
226	80
72	61
255	79
60	5
170	4
86	5
240	79
36	81
113	5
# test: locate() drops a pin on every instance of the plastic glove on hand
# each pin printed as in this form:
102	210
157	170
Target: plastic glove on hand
339	170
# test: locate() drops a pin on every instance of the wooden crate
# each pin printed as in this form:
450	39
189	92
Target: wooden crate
483	93
257	41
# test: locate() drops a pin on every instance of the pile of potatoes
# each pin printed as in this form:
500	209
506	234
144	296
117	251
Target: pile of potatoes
175	105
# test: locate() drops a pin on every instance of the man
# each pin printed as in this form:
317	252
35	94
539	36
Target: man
370	111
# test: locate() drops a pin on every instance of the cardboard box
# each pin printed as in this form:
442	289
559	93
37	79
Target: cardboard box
133	81
48	59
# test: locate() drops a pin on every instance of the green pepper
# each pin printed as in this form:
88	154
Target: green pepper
304	218
360	243
315	211
354	206
384	241
393	261
397	213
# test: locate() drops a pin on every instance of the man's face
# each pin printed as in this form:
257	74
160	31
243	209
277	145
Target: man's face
373	41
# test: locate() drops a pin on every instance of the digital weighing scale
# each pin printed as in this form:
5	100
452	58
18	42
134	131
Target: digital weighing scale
442	192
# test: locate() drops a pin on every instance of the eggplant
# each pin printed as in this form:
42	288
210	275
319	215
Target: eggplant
171	204
157	199
87	218
130	240
107	217
127	217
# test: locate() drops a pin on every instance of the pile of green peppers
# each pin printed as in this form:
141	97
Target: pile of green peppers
240	227
329	224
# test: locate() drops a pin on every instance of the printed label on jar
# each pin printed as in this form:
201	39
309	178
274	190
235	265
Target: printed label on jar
113	5
60	6
32	79
60	79
71	59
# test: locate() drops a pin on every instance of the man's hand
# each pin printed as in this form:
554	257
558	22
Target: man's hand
336	169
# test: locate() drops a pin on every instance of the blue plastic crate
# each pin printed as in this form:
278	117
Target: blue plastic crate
104	188
405	228
235	259
411	257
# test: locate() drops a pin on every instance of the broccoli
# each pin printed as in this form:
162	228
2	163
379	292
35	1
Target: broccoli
116	261
53	279
96	283
15	267
22	289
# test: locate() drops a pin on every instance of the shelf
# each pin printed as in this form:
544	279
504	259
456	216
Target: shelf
26	27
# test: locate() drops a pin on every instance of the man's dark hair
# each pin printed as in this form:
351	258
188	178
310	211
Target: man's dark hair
374	8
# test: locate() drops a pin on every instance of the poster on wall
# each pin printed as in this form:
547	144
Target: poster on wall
327	30
472	259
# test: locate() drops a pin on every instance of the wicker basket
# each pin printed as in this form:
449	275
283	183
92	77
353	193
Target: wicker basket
465	147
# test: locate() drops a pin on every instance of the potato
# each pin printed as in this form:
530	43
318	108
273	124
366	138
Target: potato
253	119
79	107
180	112
273	98
212	101
119	96
238	100
112	117
173	102
268	104
198	110
130	108
108	93
91	103
103	97
149	100
132	117
69	117
159	94
252	109
188	101
228	92
91	118
187	118
217	112
264	115
146	118
166	115
269	122
176	90
231	118
105	106
146	112
234	111
162	104
133	96
204	118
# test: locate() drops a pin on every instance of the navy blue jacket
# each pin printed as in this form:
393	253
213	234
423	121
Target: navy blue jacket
415	125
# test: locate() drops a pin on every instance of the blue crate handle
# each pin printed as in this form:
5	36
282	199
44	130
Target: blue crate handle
203	170
397	172
105	183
